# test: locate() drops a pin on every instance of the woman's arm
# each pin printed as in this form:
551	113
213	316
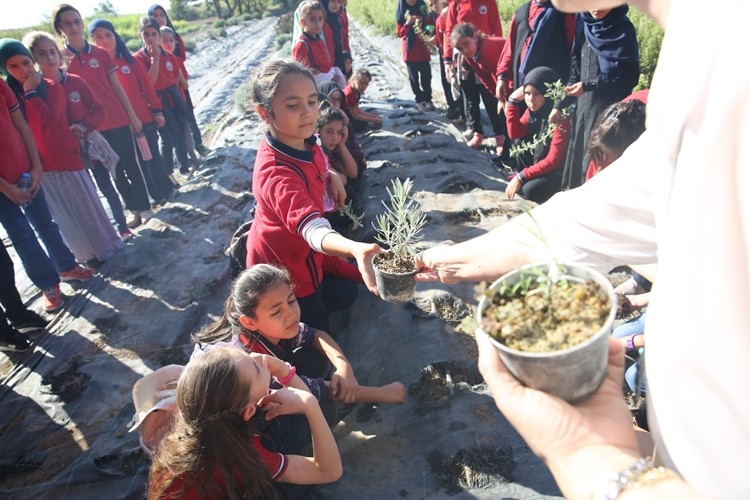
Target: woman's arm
325	464
114	81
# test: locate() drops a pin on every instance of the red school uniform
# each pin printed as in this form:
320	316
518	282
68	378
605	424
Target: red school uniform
555	157
169	69
485	62
351	97
48	119
312	52
95	65
139	89
419	51
14	160
274	463
482	14
83	107
288	188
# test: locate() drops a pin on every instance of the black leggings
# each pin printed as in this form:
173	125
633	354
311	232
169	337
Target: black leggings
173	132
129	178
420	79
333	294
160	186
473	92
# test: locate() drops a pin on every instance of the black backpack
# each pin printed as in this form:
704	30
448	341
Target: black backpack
237	250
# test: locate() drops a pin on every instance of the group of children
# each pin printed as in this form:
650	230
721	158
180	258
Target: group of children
77	109
594	55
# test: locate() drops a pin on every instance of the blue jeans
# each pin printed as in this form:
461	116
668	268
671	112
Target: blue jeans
634	326
42	269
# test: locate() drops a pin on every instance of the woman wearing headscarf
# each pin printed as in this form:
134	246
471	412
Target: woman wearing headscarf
604	69
537	175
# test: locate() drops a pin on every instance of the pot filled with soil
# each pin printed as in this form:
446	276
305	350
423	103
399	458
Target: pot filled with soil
550	325
399	228
394	276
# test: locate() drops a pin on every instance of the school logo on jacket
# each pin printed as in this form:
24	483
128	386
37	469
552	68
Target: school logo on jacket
74	96
170	66
125	70
482	9
94	62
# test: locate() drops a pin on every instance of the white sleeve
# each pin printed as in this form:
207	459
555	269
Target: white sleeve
611	219
314	231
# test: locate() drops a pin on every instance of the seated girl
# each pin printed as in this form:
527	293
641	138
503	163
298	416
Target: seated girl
333	133
263	313
331	93
213	450
537	175
617	127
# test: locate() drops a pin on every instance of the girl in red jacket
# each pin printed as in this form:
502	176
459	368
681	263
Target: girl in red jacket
145	102
289	178
415	20
71	195
538	171
480	55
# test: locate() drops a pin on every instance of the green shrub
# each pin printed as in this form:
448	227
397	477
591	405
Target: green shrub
281	41
134	44
381	15
220	23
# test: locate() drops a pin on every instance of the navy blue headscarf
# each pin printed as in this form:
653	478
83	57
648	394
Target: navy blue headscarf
121	50
150	12
612	38
543	29
418	9
10	47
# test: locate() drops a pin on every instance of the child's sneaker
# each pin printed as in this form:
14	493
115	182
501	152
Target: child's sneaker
126	236
13	341
78	273
133	220
203	150
430	106
476	141
52	299
422	106
28	321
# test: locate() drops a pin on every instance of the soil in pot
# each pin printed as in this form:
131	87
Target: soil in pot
546	319
394	277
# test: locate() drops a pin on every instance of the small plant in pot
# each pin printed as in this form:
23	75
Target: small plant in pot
398	228
550	323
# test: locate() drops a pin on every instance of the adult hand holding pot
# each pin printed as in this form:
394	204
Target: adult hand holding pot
585	444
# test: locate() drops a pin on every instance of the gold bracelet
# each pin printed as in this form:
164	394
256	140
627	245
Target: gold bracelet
643	473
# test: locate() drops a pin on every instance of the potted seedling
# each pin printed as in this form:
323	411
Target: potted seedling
398	228
550	324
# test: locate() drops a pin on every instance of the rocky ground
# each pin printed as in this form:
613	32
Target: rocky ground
67	405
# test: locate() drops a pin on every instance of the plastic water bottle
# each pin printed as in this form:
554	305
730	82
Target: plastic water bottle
143	146
24	184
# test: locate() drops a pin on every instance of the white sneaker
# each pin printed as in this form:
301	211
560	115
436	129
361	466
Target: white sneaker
430	106
421	106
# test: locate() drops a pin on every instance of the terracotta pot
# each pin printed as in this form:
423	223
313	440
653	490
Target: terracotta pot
572	374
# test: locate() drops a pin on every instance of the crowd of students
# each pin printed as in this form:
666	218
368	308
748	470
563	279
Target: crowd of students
73	111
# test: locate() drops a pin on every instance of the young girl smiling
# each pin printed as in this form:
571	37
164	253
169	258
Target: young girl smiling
288	183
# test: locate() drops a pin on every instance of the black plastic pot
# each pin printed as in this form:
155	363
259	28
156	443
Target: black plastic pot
394	287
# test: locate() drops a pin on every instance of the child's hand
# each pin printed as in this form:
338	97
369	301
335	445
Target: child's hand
18	196
377	120
513	186
33	81
337	189
287	401
159	119
344	386
78	130
136	124
501	90
554	116
575	90
344	135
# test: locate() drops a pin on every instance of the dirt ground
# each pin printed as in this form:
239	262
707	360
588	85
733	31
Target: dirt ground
67	405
